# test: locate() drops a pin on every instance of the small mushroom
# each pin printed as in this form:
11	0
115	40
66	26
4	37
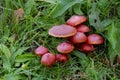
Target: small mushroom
61	57
83	28
48	59
95	39
65	47
85	47
79	37
41	50
76	20
62	31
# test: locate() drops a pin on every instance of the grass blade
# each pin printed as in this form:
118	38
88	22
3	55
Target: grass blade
63	6
24	57
5	57
113	38
18	52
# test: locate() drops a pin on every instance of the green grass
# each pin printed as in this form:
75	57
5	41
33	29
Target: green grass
19	39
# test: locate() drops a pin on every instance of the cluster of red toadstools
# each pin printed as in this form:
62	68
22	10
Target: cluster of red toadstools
75	32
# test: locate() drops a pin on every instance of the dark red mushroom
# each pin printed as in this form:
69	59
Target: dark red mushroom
41	50
86	47
62	31
83	28
95	39
79	37
76	20
48	59
65	47
61	57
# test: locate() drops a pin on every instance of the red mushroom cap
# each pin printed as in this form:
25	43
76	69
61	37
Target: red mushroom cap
61	57
95	39
80	37
62	31
83	28
76	20
65	47
41	50
48	59
86	47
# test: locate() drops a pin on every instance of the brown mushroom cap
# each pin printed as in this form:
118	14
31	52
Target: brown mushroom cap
62	31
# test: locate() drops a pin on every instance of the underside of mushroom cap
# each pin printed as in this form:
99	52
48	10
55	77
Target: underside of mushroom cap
62	31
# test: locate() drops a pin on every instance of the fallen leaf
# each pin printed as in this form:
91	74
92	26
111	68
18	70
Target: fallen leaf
18	14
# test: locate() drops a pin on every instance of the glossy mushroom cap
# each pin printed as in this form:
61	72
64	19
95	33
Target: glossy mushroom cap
48	59
79	37
62	31
83	28
86	47
41	50
95	39
76	20
61	57
65	47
